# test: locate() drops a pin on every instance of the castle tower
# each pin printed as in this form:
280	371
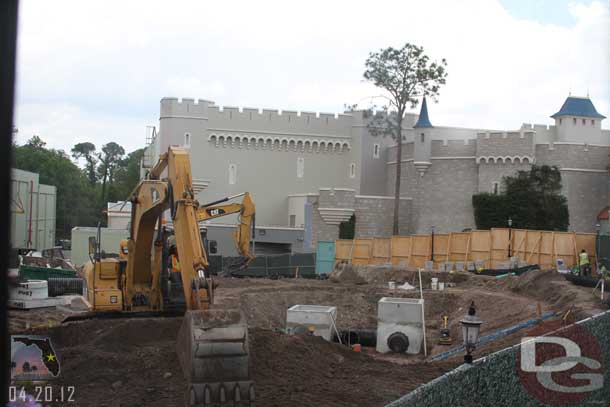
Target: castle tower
578	121
422	140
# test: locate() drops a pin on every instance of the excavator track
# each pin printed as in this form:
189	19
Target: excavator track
213	350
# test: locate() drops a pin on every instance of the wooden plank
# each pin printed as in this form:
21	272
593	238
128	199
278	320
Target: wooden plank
564	248
342	249
480	246
545	250
500	243
421	250
534	250
362	251
440	246
381	252
401	250
460	242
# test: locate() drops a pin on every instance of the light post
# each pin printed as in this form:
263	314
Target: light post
510	224
471	326
598	228
432	251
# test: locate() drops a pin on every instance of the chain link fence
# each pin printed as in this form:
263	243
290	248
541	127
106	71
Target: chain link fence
267	266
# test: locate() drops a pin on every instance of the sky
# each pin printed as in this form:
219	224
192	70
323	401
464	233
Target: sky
96	70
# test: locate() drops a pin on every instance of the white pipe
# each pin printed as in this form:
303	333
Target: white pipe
423	317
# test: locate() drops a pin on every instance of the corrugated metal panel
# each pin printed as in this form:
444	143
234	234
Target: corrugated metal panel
46	216
33	206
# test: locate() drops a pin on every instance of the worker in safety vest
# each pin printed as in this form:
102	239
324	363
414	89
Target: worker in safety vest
175	278
583	263
175	263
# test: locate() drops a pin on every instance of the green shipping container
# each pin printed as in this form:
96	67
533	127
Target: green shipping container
43	273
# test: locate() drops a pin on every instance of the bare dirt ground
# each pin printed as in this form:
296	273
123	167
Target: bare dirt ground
130	362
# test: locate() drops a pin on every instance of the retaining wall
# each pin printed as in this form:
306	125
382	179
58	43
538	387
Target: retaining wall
493	380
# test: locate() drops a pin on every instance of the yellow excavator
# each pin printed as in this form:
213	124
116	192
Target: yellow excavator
212	342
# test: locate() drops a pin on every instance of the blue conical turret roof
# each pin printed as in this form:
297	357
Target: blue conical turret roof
578	106
423	120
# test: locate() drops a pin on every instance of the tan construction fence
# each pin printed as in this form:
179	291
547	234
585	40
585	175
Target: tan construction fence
489	246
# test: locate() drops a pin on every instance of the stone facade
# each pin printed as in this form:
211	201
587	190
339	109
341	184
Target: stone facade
288	160
374	214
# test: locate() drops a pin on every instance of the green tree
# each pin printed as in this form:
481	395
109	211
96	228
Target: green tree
109	158
126	176
532	199
86	150
347	230
35	142
405	74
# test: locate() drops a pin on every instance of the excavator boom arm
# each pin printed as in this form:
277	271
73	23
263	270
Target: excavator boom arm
246	222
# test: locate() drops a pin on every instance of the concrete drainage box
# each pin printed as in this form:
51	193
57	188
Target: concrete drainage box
399	325
299	318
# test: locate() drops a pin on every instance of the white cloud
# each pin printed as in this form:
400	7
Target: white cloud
96	70
62	126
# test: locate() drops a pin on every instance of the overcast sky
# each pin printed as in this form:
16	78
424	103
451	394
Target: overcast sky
96	70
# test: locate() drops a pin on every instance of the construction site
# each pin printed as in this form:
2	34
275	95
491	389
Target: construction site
368	322
251	204
134	361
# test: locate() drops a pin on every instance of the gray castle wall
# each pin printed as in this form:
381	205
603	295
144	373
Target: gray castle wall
584	178
494	172
374	214
439	173
505	144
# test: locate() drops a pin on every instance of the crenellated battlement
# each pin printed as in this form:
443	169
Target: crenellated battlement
248	113
535	127
511	135
250	118
453	148
494	144
185	107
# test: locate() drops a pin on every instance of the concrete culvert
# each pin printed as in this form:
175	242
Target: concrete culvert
398	342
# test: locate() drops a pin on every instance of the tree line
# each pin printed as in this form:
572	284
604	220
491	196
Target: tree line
530	199
82	193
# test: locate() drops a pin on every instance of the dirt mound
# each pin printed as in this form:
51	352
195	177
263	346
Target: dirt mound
347	273
120	362
381	274
133	362
560	294
308	371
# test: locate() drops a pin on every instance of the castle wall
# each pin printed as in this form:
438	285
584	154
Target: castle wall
442	197
319	229
579	130
489	173
584	177
273	154
453	148
542	133
375	216
370	166
276	154
506	145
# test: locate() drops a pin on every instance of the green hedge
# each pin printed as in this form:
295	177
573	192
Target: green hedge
493	381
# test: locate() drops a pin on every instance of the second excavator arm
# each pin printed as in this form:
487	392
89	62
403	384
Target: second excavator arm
246	221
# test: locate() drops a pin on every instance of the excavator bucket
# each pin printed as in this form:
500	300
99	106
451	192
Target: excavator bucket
213	350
